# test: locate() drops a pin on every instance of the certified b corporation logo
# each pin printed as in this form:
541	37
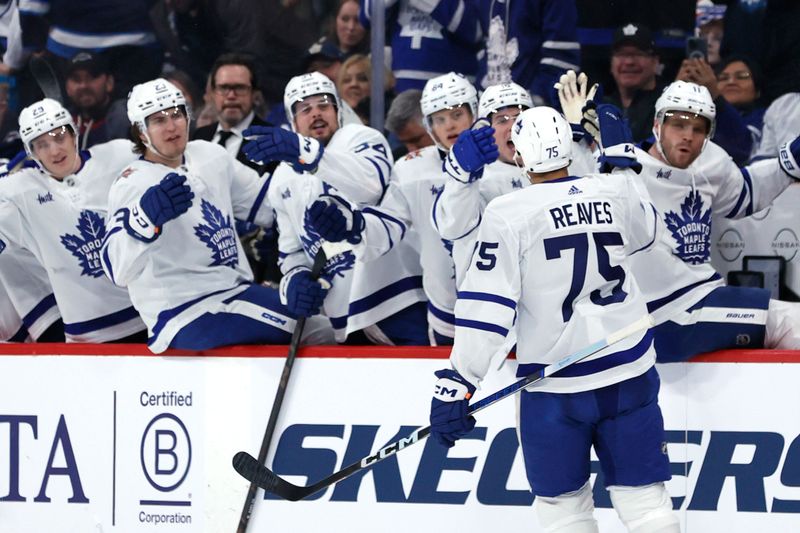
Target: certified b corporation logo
166	452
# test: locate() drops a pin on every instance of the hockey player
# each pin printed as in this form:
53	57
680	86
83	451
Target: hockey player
449	106
691	180
554	258
56	211
321	156
171	239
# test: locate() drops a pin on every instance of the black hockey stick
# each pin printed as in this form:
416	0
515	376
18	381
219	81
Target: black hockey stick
46	78
257	473
247	510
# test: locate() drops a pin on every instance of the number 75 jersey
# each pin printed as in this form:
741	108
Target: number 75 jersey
552	261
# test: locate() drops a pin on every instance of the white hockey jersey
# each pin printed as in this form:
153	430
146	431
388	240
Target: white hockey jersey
197	260
11	328
356	164
27	294
62	223
688	200
417	181
553	259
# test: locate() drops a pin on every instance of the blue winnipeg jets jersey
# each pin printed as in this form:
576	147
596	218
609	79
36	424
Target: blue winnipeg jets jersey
552	260
357	166
678	273
200	244
62	223
417	181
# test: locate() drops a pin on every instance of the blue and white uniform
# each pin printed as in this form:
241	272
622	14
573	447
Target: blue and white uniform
684	292
27	296
552	261
417	181
62	223
356	164
192	284
429	38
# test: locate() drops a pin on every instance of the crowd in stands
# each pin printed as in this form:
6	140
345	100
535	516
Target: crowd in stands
235	61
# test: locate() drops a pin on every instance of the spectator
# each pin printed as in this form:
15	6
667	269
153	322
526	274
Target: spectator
348	35
324	57
121	29
404	121
10	143
710	25
736	92
354	83
90	89
427	39
531	43
634	63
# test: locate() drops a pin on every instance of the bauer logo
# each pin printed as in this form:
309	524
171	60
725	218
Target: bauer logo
166	452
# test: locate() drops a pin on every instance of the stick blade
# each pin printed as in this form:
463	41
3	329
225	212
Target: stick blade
249	468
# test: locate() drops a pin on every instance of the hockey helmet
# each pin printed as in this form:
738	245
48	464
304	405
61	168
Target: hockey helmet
305	85
40	118
503	95
542	139
690	98
151	97
445	92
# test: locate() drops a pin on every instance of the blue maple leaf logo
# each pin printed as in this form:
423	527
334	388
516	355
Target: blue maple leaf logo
86	245
691	229
218	235
334	266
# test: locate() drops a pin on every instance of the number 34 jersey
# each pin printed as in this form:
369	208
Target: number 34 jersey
552	261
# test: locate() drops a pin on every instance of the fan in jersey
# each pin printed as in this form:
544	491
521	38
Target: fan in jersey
171	238
449	106
554	258
382	301
691	180
57	212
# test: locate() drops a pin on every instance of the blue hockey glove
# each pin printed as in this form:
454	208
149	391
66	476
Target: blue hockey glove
167	200
616	140
449	419
473	149
335	220
788	155
272	143
302	294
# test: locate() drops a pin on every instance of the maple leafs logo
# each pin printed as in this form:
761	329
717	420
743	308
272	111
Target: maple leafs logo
334	266
691	229
86	245
218	235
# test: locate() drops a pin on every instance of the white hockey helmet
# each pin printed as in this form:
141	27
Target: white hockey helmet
305	85
543	140
503	95
690	98
42	117
445	92
151	97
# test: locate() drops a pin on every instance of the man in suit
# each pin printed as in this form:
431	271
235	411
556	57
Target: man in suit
234	86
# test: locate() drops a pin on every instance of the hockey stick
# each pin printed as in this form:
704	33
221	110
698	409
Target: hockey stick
45	78
320	258
257	473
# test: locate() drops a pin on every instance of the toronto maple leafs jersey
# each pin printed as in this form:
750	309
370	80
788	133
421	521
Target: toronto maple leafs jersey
197	261
688	200
428	38
553	258
417	181
357	166
62	223
27	291
11	328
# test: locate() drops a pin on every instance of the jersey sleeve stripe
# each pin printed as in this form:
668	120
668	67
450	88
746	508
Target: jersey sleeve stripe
380	172
20	336
747	190
118	317
655	231
483	326
383	216
259	200
661	302
379	296
41	308
487	297
450	318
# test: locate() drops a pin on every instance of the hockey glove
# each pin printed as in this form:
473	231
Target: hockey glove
167	200
616	140
449	419
572	95
302	294
473	149
788	155
334	220
277	144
